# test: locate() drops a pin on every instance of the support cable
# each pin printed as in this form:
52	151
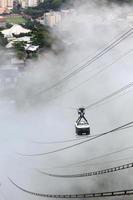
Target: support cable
121	90
100	49
76	196
93	173
98	157
64	141
94	75
90	61
79	143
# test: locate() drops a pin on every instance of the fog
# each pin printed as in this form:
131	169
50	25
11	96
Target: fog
30	114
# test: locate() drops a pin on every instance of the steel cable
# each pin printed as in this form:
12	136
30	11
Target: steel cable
94	75
76	196
88	174
79	143
98	157
64	141
90	61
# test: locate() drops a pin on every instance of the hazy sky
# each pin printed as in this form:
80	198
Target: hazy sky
29	116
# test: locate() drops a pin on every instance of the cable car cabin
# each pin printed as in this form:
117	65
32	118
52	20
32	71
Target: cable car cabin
82	126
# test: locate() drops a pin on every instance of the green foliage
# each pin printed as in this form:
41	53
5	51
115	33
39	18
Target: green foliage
16	11
120	1
20	55
34	55
34	12
40	34
22	35
41	38
45	6
20	51
15	20
19	45
8	25
56	4
3	41
29	24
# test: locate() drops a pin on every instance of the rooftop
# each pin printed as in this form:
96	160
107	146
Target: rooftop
15	29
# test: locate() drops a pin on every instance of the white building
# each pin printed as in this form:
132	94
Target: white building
52	18
6	4
20	39
29	3
33	3
15	29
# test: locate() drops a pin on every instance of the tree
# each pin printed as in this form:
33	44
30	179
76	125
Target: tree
20	55
3	41
20	50
34	12
56	4
41	38
120	1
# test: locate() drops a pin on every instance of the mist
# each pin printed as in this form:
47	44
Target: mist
29	113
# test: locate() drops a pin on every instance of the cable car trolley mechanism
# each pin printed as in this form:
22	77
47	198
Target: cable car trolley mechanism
82	126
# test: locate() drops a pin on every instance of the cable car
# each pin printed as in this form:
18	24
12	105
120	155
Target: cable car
82	126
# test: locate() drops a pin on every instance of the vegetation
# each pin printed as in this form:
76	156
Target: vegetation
34	12
52	4
41	36
3	41
47	5
15	20
121	1
20	51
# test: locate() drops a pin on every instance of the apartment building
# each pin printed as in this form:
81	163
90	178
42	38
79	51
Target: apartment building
6	3
53	18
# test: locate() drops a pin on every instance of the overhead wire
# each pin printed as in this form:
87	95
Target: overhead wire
91	163
78	143
63	141
76	196
114	193
98	157
90	61
121	90
116	94
93	105
95	74
102	163
88	174
124	93
85	162
126	87
99	49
